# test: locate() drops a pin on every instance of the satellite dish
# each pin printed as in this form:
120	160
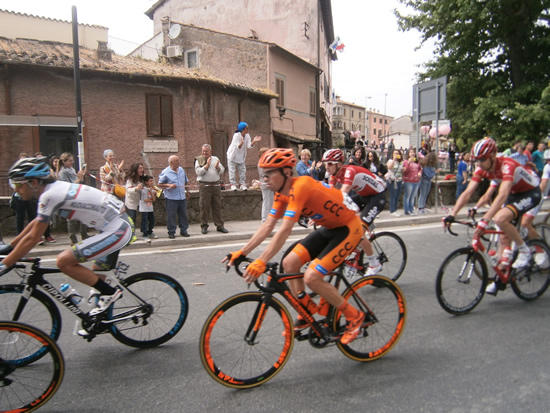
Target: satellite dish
175	31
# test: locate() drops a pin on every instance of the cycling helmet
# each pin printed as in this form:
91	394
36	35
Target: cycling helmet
29	168
483	149
277	158
333	155
546	154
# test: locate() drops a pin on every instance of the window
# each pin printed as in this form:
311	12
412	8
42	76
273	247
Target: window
379	132
380	120
374	120
374	131
280	90
360	115
385	121
345	125
191	58
352	113
344	111
312	102
159	115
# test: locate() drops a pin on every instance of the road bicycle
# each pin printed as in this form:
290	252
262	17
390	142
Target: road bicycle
249	337
152	310
25	387
388	247
463	275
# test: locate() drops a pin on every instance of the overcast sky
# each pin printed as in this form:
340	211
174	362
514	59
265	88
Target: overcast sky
378	59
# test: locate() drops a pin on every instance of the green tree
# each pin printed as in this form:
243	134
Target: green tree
496	55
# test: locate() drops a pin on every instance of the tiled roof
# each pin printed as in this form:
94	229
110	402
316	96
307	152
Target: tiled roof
60	55
296	137
48	18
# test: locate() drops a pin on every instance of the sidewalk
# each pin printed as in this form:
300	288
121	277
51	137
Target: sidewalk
238	231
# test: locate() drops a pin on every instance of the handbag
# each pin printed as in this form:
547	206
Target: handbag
119	191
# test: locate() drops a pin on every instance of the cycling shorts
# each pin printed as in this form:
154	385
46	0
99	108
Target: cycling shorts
520	203
370	206
329	247
115	235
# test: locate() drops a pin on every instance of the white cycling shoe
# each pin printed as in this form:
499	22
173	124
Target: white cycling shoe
522	260
374	269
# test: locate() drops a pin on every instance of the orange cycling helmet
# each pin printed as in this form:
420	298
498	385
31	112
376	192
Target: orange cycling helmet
483	149
277	158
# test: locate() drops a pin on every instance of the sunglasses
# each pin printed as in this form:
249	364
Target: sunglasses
331	163
19	184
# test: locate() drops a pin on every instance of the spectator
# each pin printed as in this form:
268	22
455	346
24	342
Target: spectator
209	171
22	208
429	164
529	150
391	149
134	185
110	173
452	157
462	174
67	173
519	155
267	194
305	166
148	195
173	180
373	164
513	149
236	155
54	166
538	157
412	171
358	158
394	178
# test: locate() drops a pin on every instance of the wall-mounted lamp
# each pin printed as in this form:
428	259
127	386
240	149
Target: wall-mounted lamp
282	112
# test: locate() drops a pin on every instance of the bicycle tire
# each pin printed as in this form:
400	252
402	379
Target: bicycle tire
388	312
543	230
531	282
225	354
391	251
29	387
457	289
40	311
170	307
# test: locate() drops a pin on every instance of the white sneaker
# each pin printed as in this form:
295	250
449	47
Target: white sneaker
147	240
522	260
374	269
243	187
152	235
540	259
105	301
233	187
491	288
395	214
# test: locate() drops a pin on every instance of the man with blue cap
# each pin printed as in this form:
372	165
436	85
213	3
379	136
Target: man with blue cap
236	155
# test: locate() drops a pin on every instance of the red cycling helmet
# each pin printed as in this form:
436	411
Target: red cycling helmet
483	149
333	155
277	158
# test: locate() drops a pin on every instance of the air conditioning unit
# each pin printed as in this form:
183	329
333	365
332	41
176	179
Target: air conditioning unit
173	51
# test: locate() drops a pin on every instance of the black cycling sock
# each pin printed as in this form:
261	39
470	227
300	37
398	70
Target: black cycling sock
104	288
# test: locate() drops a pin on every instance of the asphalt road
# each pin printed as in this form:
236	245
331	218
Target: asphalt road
493	359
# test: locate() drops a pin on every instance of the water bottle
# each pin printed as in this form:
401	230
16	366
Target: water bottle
307	302
71	293
494	257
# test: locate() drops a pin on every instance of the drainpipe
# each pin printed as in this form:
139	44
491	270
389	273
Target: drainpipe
318	75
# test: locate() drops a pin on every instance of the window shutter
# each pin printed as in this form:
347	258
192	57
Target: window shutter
167	128
153	115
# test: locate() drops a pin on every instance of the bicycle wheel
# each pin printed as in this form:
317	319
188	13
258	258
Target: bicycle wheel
26	388
531	282
39	310
226	354
543	229
386	316
461	281
390	250
159	305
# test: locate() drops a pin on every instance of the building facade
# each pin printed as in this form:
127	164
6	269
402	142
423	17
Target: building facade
378	126
347	117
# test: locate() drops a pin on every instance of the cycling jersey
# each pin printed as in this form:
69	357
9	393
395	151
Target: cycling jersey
523	178
314	199
362	181
88	205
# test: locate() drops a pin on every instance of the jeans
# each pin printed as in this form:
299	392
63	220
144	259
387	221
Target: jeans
409	199
460	185
395	192
425	186
242	172
147	223
176	209
23	208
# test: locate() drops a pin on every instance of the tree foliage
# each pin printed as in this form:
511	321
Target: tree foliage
496	55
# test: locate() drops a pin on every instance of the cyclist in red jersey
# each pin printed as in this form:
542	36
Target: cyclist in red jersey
518	192
370	195
325	249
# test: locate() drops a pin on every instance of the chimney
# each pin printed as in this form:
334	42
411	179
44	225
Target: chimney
103	51
165	29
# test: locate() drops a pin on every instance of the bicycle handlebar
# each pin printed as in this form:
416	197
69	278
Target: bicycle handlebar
447	226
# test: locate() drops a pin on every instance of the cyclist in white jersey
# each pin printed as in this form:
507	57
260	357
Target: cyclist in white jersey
31	179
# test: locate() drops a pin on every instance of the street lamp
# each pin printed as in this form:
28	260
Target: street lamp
367	126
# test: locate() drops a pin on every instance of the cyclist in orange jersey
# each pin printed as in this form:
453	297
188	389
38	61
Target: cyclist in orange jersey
325	249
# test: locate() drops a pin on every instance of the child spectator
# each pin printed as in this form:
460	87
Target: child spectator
148	196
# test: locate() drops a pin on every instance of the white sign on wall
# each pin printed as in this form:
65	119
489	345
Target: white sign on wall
160	145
